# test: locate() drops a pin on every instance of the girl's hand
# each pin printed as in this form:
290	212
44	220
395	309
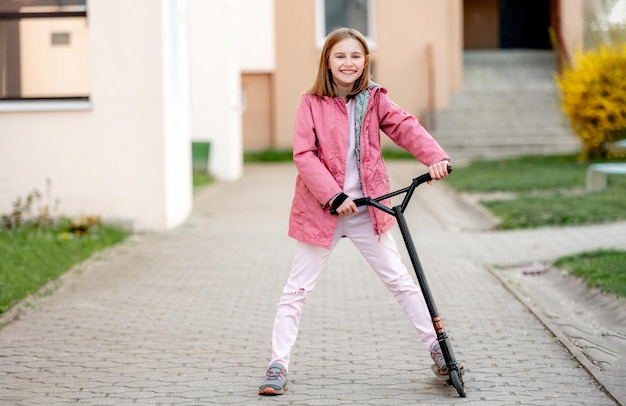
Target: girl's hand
438	170
347	207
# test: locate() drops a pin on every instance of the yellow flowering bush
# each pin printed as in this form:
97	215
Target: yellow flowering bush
593	91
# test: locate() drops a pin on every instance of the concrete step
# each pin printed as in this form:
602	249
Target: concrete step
505	118
495	98
475	152
509	57
509	106
506	136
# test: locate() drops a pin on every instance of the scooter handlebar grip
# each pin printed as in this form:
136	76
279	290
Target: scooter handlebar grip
361	201
427	178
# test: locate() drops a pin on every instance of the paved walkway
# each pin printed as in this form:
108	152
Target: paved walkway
184	317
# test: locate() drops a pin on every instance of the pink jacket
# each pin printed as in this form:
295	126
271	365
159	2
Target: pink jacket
319	153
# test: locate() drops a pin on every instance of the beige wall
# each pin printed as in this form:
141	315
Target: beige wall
572	24
405	28
402	31
455	44
296	62
125	154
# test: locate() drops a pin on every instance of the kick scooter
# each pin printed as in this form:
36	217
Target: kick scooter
455	370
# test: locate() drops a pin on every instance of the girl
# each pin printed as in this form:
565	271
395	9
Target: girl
337	153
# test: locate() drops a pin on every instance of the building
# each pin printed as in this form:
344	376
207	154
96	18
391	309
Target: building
104	98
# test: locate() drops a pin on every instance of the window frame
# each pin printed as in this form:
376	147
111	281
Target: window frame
12	15
320	24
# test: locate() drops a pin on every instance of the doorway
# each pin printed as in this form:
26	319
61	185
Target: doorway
257	110
506	24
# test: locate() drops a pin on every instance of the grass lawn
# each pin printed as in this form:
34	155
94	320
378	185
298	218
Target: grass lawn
541	191
32	257
549	191
201	179
602	269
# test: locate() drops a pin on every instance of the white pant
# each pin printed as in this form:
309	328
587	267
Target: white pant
380	252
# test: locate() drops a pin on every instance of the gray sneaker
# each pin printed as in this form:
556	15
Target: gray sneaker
440	366
275	381
438	359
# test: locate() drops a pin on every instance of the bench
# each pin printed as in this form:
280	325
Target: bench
597	173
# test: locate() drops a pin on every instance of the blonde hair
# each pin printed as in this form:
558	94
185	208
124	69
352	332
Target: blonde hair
324	84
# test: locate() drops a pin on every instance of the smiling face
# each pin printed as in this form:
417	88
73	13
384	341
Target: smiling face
346	62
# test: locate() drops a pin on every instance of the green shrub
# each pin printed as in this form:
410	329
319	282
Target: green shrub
593	93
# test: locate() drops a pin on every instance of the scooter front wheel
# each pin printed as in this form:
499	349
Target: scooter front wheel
457	382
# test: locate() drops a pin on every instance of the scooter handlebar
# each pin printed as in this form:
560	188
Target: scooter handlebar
362	201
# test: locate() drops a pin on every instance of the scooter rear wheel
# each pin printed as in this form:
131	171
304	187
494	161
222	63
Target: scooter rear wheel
457	382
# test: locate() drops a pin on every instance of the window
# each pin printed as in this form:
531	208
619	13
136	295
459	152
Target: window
44	49
355	14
